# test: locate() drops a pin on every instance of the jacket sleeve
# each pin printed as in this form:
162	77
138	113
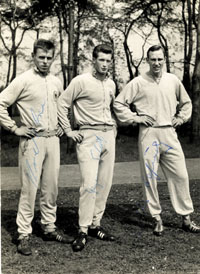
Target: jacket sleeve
122	104
65	103
7	98
184	103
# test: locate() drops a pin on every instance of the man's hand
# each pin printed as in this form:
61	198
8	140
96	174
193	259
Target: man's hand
75	135
146	120
59	132
177	121
25	132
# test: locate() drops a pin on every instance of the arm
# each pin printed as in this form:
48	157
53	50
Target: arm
60	131
122	106
114	118
8	97
65	102
184	108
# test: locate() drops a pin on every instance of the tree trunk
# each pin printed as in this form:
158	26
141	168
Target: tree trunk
14	65
162	39
76	45
61	52
188	46
131	75
9	68
136	71
196	89
114	65
70	143
71	45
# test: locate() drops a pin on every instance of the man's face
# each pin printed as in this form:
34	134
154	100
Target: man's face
102	63
156	61
43	60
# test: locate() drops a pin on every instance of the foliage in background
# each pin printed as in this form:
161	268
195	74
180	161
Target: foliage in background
81	25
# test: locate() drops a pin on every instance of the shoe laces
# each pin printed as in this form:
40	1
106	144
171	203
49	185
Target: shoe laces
82	237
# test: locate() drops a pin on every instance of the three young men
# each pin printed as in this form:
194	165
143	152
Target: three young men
38	95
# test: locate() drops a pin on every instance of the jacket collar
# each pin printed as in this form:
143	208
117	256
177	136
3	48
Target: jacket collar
38	72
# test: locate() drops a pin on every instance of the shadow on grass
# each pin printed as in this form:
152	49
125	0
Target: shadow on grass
67	219
136	249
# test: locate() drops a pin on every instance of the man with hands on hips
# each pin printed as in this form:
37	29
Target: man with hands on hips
91	95
162	104
35	93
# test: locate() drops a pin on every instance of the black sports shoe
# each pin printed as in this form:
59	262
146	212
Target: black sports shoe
100	234
190	226
80	242
57	236
24	247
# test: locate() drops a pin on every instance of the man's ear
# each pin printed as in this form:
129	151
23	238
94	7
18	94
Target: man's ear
32	55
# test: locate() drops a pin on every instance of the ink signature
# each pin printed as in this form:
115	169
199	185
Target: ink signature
36	117
93	188
98	147
151	168
32	167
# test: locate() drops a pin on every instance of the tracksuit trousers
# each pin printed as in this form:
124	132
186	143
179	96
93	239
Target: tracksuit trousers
96	155
161	146
39	162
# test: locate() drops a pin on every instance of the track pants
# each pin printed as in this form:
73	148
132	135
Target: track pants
39	162
96	155
161	146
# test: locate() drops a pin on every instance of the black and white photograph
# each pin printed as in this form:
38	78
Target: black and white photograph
100	136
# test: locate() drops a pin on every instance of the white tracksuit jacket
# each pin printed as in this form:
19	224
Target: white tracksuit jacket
36	99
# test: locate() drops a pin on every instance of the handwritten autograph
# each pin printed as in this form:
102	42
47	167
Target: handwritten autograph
97	148
151	168
36	117
96	154
93	188
32	166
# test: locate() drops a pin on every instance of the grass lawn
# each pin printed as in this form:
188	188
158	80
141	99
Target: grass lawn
136	250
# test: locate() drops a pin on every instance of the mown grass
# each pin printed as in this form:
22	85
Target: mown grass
136	249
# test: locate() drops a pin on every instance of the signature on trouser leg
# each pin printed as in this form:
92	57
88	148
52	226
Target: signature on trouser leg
97	148
151	168
31	165
93	188
95	153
